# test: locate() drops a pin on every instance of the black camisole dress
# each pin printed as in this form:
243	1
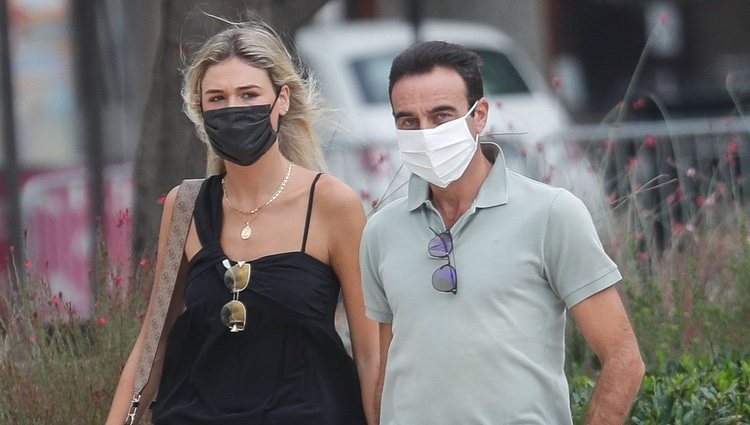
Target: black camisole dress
289	366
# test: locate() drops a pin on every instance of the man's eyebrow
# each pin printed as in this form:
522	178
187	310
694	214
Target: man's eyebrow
443	108
398	115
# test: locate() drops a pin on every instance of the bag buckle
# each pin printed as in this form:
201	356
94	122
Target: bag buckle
130	419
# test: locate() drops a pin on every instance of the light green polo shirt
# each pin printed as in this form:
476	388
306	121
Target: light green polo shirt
494	352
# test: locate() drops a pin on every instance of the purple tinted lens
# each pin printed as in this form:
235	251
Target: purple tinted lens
441	245
444	279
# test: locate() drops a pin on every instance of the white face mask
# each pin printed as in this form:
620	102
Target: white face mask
439	155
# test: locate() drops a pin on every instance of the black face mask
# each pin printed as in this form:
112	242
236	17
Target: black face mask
240	134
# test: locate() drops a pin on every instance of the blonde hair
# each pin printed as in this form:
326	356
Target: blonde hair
260	46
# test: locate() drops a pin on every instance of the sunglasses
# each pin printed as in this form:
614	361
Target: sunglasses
444	279
236	279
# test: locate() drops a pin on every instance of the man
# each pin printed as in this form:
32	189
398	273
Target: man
470	276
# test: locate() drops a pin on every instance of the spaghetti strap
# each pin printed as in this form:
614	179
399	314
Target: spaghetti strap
309	210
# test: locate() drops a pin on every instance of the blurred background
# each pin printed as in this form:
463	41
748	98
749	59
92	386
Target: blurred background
93	134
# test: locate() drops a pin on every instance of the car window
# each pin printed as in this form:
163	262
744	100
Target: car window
499	74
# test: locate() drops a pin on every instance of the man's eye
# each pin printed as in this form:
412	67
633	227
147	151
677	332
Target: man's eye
443	117
406	123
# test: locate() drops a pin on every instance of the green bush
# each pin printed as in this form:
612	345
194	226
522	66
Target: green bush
708	390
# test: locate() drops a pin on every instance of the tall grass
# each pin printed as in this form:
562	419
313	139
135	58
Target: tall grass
55	367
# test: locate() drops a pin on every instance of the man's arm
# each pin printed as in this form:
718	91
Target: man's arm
605	325
386	335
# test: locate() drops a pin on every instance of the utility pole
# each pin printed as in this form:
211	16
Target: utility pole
13	221
90	94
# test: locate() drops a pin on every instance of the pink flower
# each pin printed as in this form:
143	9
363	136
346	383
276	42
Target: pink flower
650	141
677	229
664	18
690	228
733	147
700	201
119	280
123	217
145	263
690	172
161	199
32	339
556	82
101	320
28	264
632	163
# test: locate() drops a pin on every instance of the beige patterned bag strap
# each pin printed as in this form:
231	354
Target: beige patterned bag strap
181	217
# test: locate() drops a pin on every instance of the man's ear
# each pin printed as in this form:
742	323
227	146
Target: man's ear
481	112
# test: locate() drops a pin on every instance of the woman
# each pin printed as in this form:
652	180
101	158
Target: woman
271	245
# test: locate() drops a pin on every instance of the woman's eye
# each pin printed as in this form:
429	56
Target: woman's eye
249	95
215	98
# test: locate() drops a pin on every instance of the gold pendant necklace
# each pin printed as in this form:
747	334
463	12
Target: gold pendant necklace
247	231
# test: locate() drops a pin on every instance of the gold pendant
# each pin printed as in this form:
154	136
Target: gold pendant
246	232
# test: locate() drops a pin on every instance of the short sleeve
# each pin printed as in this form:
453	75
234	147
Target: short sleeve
575	263
376	302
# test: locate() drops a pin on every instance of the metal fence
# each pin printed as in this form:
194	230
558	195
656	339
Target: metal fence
668	171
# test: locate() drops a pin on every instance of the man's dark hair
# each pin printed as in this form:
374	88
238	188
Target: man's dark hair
422	58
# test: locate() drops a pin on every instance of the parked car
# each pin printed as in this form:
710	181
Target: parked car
351	62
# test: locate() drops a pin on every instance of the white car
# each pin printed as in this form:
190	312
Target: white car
351	62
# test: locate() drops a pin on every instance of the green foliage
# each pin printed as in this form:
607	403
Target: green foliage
713	389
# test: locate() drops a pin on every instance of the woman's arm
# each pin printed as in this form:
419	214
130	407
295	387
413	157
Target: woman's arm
345	220
124	392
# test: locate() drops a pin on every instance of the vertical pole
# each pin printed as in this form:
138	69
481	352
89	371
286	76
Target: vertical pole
10	166
90	95
415	17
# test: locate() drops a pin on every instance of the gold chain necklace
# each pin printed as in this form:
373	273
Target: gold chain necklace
247	231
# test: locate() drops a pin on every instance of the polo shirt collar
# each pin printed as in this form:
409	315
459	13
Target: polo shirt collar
493	192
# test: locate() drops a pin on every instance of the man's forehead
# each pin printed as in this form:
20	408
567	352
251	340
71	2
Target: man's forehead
439	86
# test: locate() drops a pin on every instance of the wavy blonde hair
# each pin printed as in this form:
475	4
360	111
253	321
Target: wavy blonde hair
260	46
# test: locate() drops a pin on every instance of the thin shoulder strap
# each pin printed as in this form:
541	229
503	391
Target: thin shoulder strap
309	210
173	257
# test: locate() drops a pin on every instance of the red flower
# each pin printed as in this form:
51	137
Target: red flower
733	147
638	104
161	198
101	320
119	280
650	141
677	229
